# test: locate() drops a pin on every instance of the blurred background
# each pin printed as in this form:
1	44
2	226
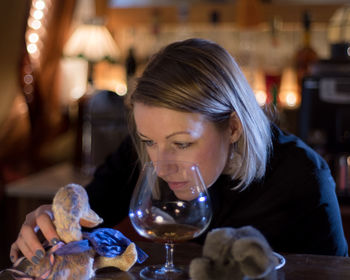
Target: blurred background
67	67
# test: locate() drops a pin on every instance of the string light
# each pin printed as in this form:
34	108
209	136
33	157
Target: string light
32	48
38	14
33	38
28	79
36	29
34	24
39	5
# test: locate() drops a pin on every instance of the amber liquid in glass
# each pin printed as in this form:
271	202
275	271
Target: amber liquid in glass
172	233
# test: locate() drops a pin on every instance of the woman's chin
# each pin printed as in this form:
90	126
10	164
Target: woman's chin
186	195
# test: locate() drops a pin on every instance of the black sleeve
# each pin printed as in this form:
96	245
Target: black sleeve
113	183
310	209
327	215
318	228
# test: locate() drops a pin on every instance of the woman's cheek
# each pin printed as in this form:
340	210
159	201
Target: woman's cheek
151	153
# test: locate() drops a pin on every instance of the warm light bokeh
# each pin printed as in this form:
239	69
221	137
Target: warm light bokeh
289	94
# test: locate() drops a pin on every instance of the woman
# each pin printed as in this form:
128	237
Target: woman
193	103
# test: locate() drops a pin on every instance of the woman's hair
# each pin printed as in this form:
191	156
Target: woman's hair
199	76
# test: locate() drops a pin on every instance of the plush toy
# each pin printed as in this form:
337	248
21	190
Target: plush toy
230	253
79	254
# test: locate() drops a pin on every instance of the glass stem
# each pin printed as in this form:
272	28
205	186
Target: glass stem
169	256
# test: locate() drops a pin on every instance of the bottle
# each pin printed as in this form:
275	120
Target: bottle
130	69
130	63
305	55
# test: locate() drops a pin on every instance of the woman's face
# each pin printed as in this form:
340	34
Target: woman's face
174	135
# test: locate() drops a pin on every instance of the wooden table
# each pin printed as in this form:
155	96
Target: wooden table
297	267
26	194
44	184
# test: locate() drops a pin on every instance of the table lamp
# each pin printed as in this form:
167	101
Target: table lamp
92	41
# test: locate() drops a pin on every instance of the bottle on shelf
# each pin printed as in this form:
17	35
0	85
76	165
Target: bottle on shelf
306	55
130	63
130	69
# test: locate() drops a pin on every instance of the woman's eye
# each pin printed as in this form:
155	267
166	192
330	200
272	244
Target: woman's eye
181	145
148	143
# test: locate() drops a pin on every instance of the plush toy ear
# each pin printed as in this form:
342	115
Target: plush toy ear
200	269
218	243
254	257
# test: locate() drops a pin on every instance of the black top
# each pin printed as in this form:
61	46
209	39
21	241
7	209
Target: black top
294	205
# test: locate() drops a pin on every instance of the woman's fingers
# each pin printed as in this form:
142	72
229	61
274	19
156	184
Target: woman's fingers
14	252
28	243
47	228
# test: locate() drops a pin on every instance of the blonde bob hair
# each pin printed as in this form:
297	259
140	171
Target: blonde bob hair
199	76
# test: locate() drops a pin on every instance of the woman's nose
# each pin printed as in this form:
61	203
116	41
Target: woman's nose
163	154
166	168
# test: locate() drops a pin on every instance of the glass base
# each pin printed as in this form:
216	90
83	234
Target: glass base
159	272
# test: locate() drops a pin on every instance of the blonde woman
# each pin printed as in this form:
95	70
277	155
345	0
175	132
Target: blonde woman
192	103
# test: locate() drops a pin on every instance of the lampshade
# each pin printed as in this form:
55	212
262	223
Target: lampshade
339	25
92	42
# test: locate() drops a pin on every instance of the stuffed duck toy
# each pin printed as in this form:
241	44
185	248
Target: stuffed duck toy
235	253
79	254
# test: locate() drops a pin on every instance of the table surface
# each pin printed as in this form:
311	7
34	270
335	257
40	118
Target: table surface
44	184
297	267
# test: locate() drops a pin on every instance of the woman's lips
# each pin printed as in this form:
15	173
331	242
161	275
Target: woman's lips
176	185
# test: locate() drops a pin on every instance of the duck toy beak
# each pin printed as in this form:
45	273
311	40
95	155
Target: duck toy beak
90	219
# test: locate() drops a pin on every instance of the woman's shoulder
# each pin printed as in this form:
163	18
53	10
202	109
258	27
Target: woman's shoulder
297	167
291	150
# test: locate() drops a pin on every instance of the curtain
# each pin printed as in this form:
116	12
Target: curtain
47	115
34	119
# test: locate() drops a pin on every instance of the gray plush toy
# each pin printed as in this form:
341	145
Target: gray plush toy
230	253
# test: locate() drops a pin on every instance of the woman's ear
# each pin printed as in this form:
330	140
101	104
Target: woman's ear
235	128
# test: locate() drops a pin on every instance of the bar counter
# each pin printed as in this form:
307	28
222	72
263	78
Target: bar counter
297	267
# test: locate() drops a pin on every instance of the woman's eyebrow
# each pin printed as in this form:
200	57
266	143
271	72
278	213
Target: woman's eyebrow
167	137
176	133
141	135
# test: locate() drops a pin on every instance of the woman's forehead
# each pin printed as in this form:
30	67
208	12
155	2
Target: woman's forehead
151	111
159	120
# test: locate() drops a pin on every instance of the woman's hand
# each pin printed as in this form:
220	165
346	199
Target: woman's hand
28	242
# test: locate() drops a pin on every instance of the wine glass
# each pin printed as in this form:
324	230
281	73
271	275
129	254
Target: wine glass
170	204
